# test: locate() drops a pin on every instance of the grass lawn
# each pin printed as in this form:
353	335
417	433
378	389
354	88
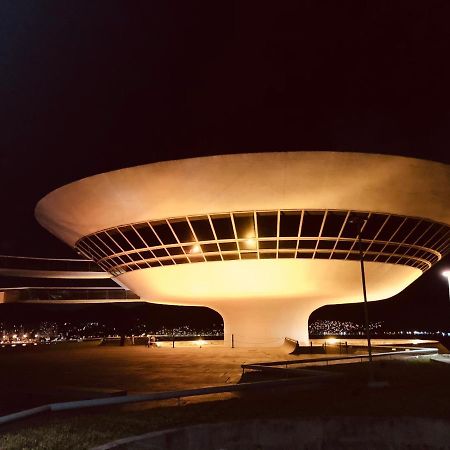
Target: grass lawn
417	387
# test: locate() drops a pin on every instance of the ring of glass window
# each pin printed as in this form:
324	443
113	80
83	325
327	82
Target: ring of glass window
310	234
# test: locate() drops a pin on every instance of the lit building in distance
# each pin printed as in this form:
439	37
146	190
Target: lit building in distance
265	238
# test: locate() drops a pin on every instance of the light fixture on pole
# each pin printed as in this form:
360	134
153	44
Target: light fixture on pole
446	274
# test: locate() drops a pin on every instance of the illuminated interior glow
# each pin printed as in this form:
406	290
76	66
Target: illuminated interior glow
250	243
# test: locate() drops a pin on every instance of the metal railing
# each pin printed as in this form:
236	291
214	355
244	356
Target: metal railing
277	365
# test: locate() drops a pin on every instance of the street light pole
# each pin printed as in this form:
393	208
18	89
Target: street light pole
366	309
358	221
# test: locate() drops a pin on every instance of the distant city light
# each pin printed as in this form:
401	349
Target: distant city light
200	342
342	328
333	331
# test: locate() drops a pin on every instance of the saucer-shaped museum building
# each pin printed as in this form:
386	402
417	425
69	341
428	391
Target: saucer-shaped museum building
264	238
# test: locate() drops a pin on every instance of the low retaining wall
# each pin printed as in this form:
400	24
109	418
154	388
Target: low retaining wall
299	433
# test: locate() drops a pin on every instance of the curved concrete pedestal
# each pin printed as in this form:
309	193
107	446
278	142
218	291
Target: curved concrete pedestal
266	322
264	301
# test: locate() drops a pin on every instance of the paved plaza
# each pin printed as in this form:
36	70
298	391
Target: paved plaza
32	377
39	375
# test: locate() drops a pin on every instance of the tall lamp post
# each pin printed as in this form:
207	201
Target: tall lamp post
446	274
359	222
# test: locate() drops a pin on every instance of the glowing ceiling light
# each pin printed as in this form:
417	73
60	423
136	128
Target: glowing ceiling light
195	249
251	242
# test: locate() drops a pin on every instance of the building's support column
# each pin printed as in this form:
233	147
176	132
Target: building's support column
265	322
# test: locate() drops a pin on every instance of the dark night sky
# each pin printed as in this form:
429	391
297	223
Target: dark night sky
92	86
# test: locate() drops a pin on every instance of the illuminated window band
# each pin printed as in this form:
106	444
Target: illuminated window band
310	234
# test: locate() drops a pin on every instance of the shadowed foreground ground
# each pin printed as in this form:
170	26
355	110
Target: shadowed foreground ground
30	377
417	387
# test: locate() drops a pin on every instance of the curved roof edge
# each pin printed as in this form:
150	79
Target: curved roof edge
247	181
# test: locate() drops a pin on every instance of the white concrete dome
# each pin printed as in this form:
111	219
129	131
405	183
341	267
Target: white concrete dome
262	238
